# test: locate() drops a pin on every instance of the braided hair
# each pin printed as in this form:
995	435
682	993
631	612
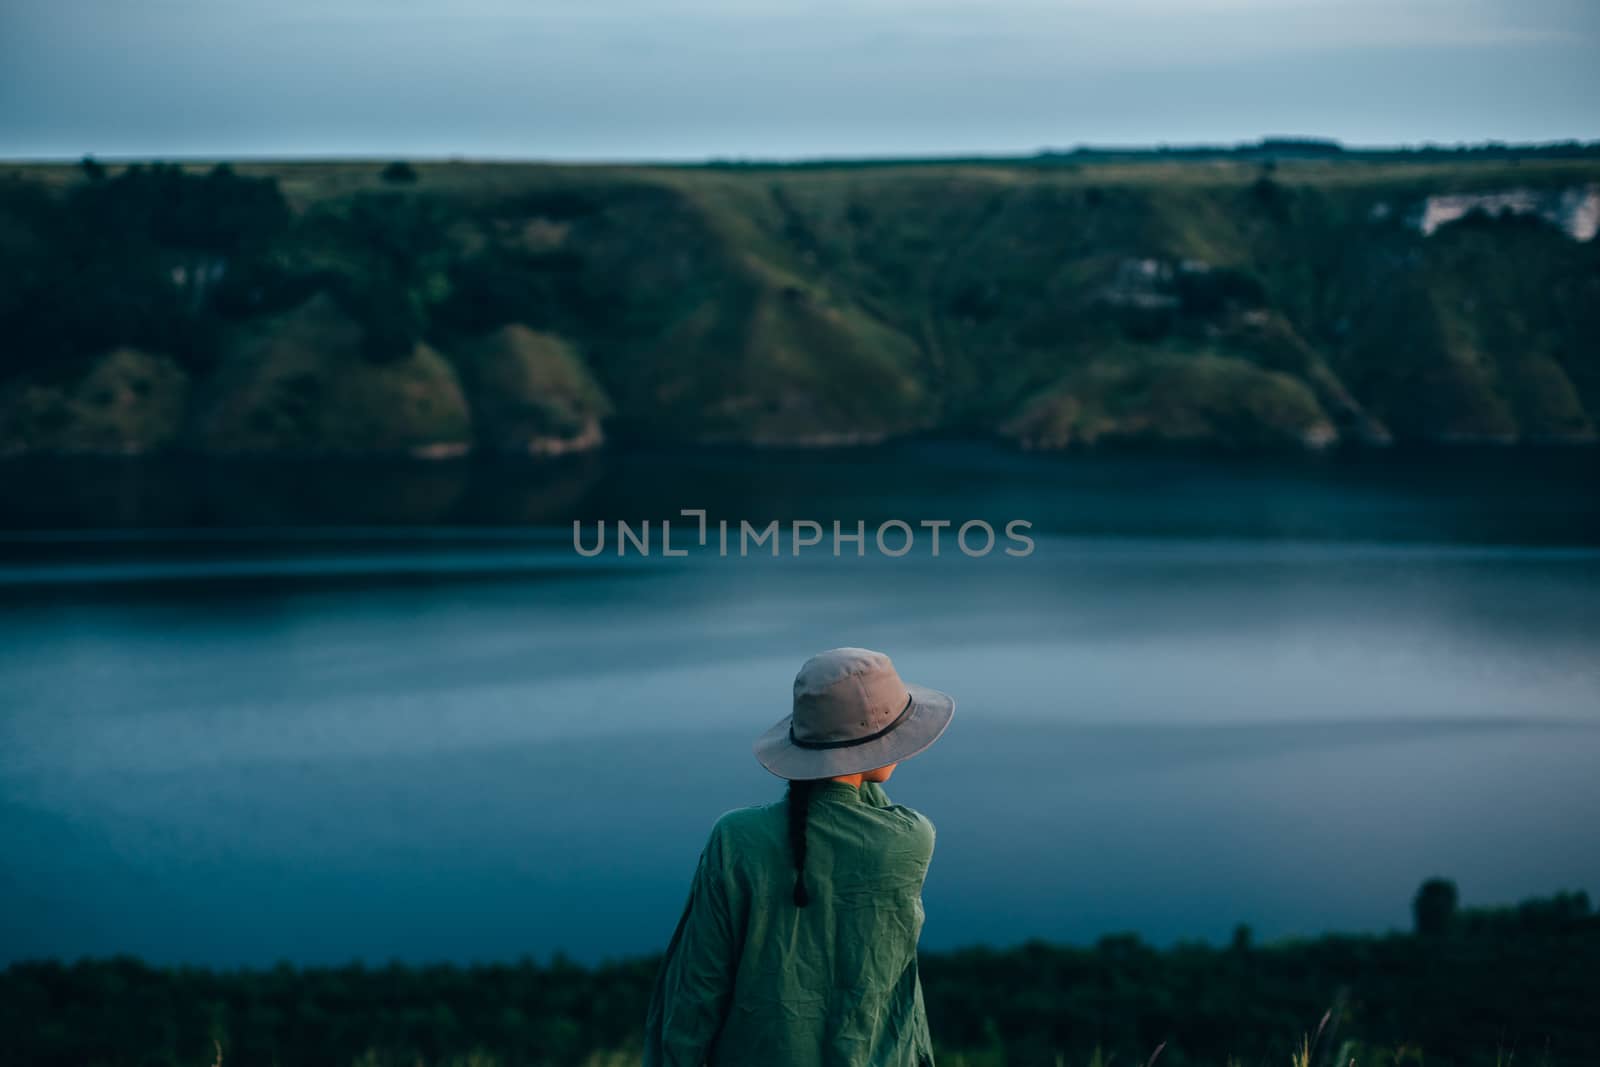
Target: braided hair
799	804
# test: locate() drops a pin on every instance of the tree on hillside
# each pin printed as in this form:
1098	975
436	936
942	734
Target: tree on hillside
390	269
399	172
1434	907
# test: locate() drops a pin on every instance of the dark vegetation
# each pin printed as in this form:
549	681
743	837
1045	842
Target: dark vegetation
131	260
399	172
1269	295
1497	986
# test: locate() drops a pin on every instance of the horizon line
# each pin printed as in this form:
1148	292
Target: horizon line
1316	145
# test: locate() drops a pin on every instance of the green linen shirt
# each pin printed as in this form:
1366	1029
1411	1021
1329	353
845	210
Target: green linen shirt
751	980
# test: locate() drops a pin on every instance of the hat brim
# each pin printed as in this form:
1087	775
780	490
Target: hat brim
930	713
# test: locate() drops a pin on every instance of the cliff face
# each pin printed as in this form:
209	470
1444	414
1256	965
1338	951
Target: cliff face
530	309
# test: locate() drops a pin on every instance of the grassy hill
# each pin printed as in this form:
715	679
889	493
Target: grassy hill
1208	299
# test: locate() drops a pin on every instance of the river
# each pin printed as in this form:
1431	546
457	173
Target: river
255	712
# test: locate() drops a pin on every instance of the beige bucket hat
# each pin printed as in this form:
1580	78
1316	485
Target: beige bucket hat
852	713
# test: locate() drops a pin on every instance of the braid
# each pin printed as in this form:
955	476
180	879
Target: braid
799	802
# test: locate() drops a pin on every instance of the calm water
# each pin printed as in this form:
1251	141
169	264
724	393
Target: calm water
251	713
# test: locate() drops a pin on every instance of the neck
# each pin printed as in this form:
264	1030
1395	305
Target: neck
849	779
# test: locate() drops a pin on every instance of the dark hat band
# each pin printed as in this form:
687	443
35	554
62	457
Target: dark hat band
854	741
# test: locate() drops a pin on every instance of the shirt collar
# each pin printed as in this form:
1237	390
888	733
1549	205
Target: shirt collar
837	790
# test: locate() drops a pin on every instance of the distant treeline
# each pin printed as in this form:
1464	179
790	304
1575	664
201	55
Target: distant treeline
1514	985
1321	148
1268	148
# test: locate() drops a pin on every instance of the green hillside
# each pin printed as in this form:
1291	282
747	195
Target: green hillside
432	308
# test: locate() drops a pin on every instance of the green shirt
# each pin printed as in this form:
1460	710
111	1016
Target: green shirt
750	979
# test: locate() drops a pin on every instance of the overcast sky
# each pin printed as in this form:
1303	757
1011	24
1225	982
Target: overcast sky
686	79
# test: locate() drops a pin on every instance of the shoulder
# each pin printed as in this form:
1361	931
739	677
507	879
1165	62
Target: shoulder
917	826
911	830
744	842
743	828
909	819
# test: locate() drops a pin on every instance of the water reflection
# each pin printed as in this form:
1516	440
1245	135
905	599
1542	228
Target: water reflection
1491	496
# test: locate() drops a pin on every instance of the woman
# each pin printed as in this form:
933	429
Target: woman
798	945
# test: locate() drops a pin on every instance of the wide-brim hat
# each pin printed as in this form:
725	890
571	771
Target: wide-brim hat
852	713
